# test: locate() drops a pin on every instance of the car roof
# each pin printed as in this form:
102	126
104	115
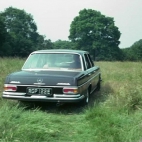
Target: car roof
60	51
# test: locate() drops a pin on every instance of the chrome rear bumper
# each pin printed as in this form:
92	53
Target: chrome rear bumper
54	98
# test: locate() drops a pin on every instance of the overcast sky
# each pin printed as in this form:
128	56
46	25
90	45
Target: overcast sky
53	17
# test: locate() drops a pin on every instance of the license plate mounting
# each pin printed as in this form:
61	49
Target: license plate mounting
39	91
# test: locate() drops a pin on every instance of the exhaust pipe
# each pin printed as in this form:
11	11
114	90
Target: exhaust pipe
59	104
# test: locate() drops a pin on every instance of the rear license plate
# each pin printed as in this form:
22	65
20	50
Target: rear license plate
39	91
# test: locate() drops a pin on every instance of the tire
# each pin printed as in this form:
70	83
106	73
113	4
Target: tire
98	86
85	101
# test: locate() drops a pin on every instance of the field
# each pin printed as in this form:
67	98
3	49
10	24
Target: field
113	115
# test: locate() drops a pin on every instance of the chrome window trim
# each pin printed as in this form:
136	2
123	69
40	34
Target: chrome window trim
82	68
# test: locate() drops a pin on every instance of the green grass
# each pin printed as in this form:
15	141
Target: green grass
114	114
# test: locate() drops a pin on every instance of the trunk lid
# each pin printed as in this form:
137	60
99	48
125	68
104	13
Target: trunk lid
47	78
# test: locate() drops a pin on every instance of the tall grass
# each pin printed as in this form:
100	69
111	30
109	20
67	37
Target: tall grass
115	112
9	65
125	81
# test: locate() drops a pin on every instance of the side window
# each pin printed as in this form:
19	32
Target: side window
88	64
91	61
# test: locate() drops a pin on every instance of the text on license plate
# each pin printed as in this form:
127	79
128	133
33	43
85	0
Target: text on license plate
40	91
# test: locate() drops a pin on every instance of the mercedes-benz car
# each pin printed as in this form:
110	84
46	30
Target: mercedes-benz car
54	76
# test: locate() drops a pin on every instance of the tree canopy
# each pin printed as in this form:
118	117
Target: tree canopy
90	31
22	36
3	32
96	33
60	44
133	53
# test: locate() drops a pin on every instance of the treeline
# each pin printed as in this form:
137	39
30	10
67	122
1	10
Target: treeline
18	34
90	31
133	53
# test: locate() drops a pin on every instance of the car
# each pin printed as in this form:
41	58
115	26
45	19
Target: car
55	75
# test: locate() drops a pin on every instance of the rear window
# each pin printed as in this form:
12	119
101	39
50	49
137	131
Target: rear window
53	61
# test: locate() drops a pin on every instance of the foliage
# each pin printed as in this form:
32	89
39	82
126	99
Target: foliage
97	34
22	37
2	32
60	44
133	53
44	43
90	31
114	113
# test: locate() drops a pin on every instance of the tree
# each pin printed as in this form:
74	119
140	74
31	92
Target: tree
22	32
44	43
96	33
3	32
60	44
136	49
134	53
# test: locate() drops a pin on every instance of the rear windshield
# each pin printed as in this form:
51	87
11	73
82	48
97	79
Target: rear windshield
53	61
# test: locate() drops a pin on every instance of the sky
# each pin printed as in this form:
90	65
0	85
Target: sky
53	17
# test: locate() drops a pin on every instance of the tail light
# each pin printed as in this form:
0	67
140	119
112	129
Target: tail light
10	87
70	90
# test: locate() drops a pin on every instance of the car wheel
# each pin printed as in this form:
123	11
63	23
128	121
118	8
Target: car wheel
85	101
98	86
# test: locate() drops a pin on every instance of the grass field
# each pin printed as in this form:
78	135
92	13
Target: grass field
113	115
